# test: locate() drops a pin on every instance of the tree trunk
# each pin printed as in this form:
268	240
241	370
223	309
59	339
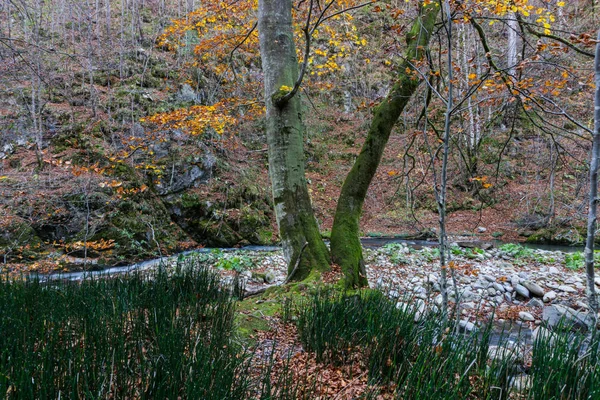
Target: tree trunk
345	245
592	212
285	137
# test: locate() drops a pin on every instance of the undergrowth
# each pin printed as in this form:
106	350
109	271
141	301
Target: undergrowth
174	335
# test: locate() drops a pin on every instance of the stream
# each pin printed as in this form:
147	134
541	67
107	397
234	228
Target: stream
367	242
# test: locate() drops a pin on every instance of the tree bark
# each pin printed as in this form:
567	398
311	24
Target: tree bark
592	212
345	244
285	137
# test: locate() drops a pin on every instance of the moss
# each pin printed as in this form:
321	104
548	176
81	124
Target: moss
252	315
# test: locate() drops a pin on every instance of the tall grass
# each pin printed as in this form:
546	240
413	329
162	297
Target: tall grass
431	360
565	366
172	336
152	336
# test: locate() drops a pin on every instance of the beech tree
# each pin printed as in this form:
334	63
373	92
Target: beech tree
301	240
346	249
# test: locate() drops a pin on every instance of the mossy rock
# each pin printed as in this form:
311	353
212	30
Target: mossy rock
15	235
244	217
557	236
137	225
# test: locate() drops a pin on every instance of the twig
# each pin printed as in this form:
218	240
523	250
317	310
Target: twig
289	277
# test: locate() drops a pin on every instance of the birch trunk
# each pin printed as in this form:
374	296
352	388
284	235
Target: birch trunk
592	212
285	137
346	249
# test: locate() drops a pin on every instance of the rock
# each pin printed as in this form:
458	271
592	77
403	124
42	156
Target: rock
580	304
523	275
566	288
481	229
466	326
535	303
548	297
597	281
553	271
481	284
491	291
556	315
269	277
489	278
498	287
534	288
506	354
187	94
515	280
525	316
522	291
393	294
418	308
540	333
475	244
552	285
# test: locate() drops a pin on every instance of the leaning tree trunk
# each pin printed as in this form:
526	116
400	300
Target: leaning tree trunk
302	244
592	213
346	249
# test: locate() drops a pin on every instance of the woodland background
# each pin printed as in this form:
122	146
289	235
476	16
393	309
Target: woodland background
135	128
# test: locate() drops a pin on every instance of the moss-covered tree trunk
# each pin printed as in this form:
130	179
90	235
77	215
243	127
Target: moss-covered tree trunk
285	138
346	249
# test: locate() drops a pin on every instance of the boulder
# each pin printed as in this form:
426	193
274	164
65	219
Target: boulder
558	315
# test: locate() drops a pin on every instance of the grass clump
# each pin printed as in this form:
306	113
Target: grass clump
565	366
154	336
431	359
422	360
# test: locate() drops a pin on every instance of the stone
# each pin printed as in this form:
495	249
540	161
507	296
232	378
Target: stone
541	333
553	271
418	307
489	278
270	277
534	288
580	304
522	291
498	287
548	297
525	316
566	288
481	284
466	326
481	229
552	285
523	275
556	314
535	303
515	280
491	291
